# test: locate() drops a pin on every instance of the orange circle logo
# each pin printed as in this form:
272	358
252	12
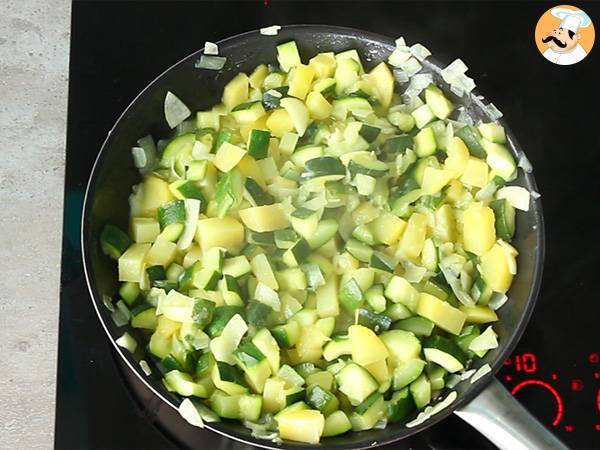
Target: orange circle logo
564	35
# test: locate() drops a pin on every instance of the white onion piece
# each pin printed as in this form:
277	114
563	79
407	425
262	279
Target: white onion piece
175	110
270	31
517	196
190	413
420	51
432	410
145	367
411	66
127	342
493	112
535	195
498	299
210	48
210	62
524	163
487	340
482	371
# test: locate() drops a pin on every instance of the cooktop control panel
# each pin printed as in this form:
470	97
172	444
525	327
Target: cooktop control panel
565	398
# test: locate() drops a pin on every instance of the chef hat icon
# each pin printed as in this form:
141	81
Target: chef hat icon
570	19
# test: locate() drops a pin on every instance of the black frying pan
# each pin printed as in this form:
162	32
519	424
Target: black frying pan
485	404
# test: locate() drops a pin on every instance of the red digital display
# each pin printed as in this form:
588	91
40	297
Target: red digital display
524	362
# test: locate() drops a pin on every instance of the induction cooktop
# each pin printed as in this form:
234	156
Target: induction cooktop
119	47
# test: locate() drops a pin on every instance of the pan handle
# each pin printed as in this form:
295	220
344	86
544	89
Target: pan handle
497	415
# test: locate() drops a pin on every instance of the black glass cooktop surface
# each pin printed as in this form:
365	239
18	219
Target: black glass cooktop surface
119	47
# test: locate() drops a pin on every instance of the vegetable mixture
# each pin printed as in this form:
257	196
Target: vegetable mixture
318	253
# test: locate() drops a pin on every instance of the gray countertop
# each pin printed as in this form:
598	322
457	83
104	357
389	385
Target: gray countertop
34	55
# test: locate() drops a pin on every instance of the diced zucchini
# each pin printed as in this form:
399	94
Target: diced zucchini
356	383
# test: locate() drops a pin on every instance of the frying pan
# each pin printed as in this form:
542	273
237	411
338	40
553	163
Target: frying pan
485	404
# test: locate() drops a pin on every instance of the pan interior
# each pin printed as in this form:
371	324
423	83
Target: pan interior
113	176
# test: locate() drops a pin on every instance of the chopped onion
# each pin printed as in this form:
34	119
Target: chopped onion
175	110
210	48
139	157
274	93
487	340
267	296
270	31
420	51
464	117
456	67
535	195
400	42
380	424
145	367
207	414
418	83
467	374
498	299
432	410
210	62
121	306
200	150
127	342
192	210
398	57
187	409
482	371
107	301
517	196
486	194
493	112
524	163
411	66
401	76
412	272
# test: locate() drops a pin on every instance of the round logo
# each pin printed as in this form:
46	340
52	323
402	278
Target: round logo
564	35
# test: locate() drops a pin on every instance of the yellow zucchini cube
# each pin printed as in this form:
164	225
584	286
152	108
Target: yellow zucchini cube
318	106
264	218
298	113
208	119
445	224
154	192
226	232
479	313
302	426
300	81
441	313
475	173
228	156
323	64
257	77
479	230
495	269
411	243
455	191
249	167
280	122
131	263
458	156
310	343
144	229
193	254
387	228
435	179
383	80
236	91
162	253
379	370
367	348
